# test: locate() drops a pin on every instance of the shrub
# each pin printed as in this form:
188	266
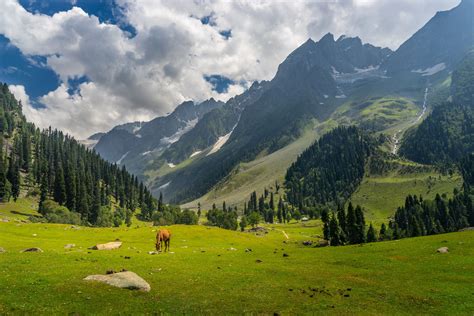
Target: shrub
55	213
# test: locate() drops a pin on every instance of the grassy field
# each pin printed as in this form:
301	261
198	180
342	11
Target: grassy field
203	276
381	195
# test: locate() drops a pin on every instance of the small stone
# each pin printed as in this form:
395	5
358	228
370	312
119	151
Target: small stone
232	249
258	261
2	250
69	246
33	249
443	250
286	255
34	235
248	250
153	252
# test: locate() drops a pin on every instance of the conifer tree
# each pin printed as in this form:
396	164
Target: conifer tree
371	235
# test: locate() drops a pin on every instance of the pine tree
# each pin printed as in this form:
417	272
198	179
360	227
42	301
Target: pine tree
371	235
272	203
383	232
351	225
59	185
280	211
360	223
3	176
325	220
334	232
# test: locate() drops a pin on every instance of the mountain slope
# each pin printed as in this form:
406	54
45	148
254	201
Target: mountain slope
447	134
303	88
438	45
131	144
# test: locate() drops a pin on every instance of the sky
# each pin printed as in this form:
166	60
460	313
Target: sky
84	66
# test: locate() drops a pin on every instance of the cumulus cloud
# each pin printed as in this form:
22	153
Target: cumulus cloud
165	63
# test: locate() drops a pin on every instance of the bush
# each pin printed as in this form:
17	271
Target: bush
219	218
105	217
55	213
187	217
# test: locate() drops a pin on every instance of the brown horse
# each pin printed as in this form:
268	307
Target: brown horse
163	235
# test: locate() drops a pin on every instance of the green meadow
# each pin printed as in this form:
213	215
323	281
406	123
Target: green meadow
209	271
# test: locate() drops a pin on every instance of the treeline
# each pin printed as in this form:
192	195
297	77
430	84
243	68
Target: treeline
56	167
420	217
330	170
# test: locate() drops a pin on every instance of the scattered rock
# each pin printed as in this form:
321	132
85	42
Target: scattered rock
286	255
5	220
33	249
127	257
153	252
443	250
69	246
307	243
2	250
107	246
323	243
232	249
248	250
258	261
126	280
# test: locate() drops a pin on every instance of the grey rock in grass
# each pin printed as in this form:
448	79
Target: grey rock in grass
108	246
443	250
33	249
2	250
69	246
125	280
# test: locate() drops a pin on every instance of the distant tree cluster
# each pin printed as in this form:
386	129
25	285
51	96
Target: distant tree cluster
420	217
342	227
224	218
330	170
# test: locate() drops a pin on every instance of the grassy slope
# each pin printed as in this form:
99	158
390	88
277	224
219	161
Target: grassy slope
381	195
203	276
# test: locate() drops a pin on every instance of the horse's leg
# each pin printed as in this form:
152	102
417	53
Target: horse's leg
168	244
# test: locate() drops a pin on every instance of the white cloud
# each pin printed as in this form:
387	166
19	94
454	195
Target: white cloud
163	65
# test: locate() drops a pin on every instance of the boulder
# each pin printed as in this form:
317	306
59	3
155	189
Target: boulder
323	243
33	249
443	250
125	280
307	243
108	246
69	246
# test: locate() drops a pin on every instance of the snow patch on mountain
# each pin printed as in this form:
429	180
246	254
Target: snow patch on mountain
122	158
171	165
164	185
176	136
195	153
431	70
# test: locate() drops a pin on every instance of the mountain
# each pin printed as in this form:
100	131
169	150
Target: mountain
438	45
130	144
304	88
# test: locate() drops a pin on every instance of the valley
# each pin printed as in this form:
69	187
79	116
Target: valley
289	173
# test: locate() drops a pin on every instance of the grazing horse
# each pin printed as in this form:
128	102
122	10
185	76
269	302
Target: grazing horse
163	235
